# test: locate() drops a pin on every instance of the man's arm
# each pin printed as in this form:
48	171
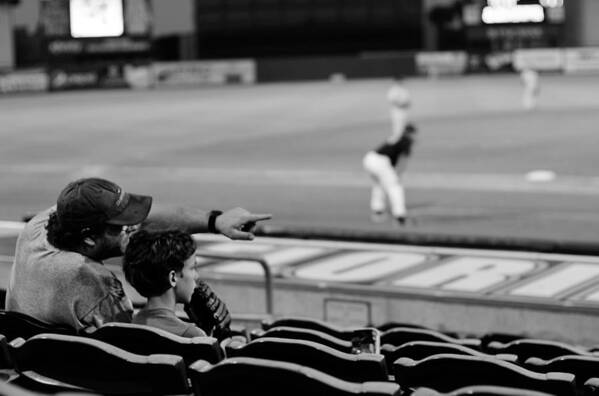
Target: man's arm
236	223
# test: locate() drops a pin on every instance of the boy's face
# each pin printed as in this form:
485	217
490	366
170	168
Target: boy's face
186	280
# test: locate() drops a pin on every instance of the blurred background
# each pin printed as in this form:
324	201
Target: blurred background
271	104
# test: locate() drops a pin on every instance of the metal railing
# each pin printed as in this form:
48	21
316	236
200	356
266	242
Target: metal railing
260	260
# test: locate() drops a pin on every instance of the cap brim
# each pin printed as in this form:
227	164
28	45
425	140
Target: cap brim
135	212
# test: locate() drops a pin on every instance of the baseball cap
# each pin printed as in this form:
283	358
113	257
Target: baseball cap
93	201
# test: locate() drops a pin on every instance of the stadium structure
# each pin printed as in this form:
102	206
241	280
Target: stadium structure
494	290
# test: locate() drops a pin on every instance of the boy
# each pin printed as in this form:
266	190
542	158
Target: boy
161	267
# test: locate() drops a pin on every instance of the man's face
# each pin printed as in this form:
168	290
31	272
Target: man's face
112	242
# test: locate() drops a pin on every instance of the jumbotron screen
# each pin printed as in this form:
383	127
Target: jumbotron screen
96	18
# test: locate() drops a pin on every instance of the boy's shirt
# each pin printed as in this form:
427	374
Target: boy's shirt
166	319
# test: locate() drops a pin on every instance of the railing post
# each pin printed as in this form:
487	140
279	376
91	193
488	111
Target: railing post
260	260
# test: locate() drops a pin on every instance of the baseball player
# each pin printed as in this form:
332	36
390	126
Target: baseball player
385	163
530	80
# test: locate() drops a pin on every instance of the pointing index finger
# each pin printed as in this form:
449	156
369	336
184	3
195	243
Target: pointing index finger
258	217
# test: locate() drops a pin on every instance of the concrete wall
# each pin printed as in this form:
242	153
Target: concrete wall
581	26
587	22
7	53
173	17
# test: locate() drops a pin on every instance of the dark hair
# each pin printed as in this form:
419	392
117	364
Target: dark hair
68	236
150	256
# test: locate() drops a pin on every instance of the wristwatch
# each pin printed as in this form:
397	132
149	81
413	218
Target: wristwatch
212	215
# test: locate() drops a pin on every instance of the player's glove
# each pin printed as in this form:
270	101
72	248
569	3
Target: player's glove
410	129
209	312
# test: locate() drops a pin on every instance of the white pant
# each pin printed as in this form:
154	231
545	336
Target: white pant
386	187
529	98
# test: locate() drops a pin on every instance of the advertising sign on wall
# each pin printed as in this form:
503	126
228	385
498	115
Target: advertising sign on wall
542	59
205	72
441	63
581	60
24	81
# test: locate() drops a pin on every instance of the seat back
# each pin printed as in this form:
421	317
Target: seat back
261	377
146	340
95	366
591	387
16	324
6	360
583	367
306	334
503	338
481	390
400	335
11	389
350	367
448	372
365	339
418	350
393	325
543	349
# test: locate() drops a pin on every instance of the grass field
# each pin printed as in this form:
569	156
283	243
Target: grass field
295	150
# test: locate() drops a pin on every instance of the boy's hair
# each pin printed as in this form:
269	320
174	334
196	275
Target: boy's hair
151	256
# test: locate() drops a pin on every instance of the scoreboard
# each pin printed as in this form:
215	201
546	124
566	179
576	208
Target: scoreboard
512	24
104	18
91	42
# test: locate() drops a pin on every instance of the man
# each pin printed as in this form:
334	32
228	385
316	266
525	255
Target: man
58	275
385	162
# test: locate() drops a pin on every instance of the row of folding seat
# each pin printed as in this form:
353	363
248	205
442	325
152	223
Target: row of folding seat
415	364
55	362
397	340
529	363
95	363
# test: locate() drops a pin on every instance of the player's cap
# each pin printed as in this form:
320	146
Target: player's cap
94	201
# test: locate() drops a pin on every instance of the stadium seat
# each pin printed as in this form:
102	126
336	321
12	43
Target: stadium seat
542	349
591	387
365	339
393	325
400	335
482	390
10	389
350	367
56	362
448	372
504	338
261	377
18	325
146	340
418	350
6	361
305	334
583	367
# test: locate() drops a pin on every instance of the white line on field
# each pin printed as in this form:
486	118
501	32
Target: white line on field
567	185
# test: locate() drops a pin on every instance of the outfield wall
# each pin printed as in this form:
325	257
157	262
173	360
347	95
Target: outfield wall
335	68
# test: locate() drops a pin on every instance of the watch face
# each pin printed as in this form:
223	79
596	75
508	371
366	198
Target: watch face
96	18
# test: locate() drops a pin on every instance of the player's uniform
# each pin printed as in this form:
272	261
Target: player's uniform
387	190
530	79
